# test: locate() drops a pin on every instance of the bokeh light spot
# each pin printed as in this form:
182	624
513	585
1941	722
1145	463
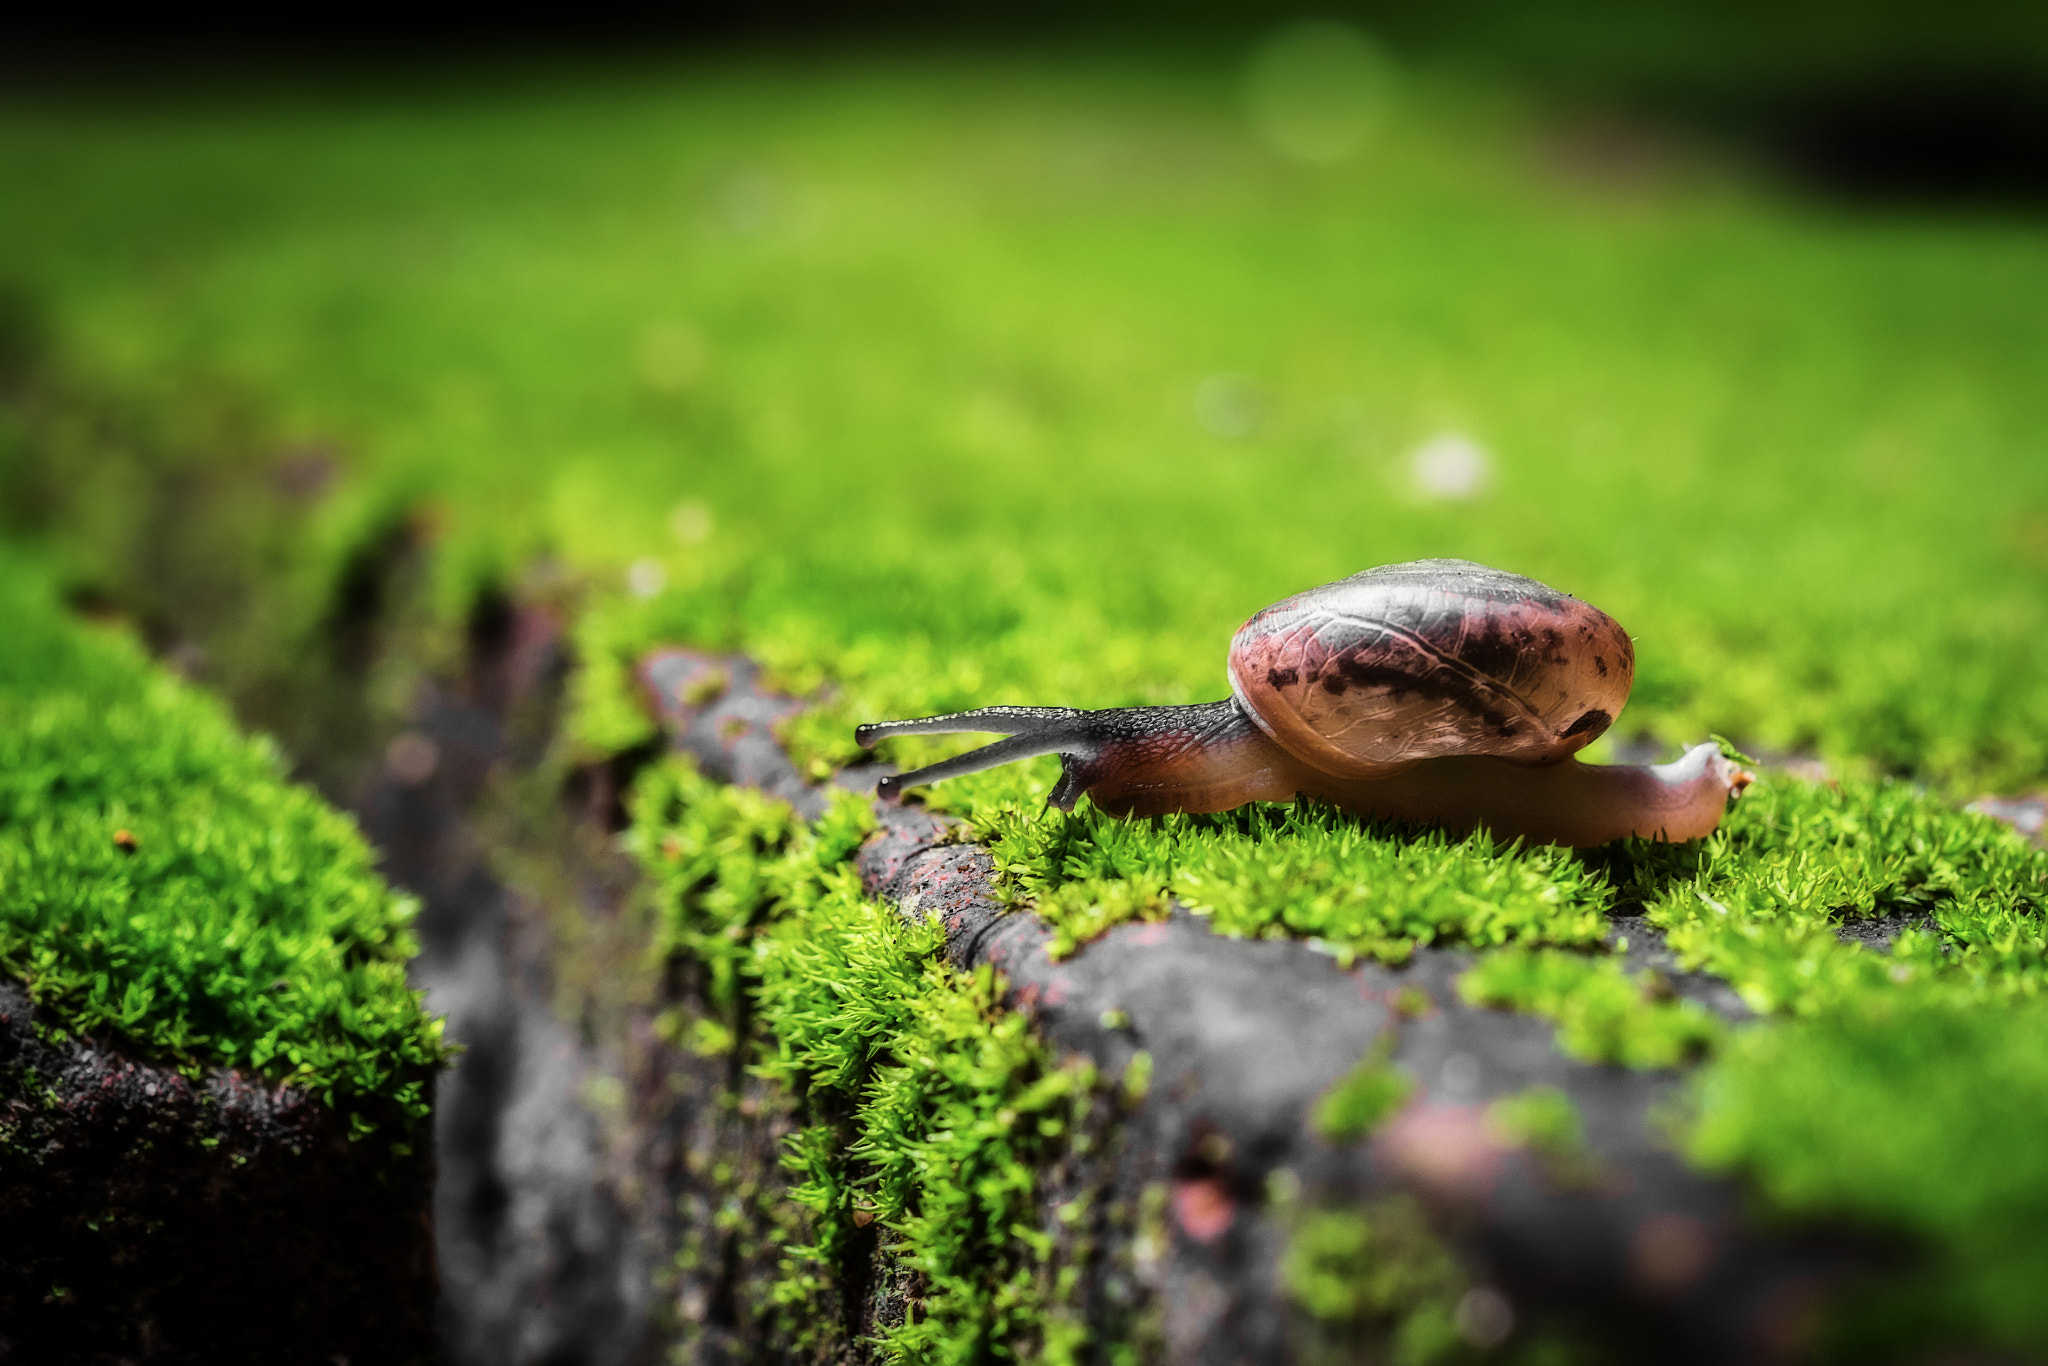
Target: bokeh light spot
1450	466
1317	91
646	578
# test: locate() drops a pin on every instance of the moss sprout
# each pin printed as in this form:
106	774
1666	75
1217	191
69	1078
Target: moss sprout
1603	1013
1543	1120
1362	1099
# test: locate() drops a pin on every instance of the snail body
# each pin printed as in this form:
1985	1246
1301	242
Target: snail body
1438	691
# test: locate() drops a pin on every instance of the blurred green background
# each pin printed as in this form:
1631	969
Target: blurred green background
1023	374
1022	366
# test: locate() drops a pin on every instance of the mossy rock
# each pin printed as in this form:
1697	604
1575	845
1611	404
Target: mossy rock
1575	1141
217	1081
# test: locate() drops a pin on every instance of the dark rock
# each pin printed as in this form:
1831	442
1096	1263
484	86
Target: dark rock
1879	932
1645	950
714	707
144	1216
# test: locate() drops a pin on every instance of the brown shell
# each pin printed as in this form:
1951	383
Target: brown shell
1367	675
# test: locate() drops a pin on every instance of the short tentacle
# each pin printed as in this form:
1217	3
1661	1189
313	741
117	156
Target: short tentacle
1076	774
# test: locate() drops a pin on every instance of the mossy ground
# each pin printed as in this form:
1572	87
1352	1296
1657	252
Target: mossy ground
945	381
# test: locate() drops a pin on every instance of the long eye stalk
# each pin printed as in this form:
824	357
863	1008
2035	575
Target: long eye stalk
1032	730
1131	760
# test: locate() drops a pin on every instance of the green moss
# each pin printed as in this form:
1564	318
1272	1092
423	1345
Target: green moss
1918	1117
1301	870
1411	1003
1137	1079
1079	911
1897	1093
931	1110
161	882
1373	1277
1544	1120
893	375
1792	863
1759	904
1603	1013
1362	1100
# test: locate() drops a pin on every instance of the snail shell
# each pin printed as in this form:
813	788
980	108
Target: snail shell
1366	676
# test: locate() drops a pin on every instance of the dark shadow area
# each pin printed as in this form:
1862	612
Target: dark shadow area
1876	103
216	1217
1963	137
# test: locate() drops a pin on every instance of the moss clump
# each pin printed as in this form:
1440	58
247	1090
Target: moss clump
1301	870
162	883
1362	1099
928	1111
1901	1091
1543	1120
1079	911
1375	1281
1760	904
1603	1012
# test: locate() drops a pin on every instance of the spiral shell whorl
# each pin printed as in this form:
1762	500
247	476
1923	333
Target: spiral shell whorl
1367	675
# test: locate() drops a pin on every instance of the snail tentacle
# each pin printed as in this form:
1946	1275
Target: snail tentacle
1032	730
973	761
1141	760
1046	721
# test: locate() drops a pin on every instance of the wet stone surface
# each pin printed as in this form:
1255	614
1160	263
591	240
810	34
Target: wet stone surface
1879	932
715	708
1644	948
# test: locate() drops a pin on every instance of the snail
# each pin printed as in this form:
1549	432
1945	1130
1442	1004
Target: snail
1438	691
